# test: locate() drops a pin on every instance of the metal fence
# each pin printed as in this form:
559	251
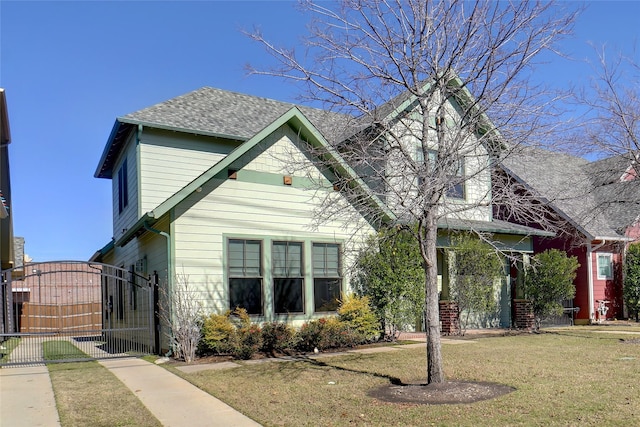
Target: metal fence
70	310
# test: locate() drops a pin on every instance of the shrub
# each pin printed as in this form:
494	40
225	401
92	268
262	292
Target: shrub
327	333
355	312
548	281
389	271
230	333
631	288
246	342
309	335
338	334
276	337
217	333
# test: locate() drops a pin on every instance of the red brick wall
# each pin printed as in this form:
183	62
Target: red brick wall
449	317
524	314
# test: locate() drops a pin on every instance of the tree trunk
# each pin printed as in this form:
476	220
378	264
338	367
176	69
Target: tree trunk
435	371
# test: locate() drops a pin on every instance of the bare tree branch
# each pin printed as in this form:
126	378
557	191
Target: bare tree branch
433	94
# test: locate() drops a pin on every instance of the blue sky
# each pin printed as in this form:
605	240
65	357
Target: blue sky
70	68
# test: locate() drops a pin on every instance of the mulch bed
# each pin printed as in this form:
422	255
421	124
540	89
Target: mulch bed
449	392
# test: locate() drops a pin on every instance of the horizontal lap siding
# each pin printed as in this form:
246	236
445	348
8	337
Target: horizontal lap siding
169	161
246	209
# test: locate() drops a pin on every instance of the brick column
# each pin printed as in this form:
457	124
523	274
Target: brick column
524	314
449	318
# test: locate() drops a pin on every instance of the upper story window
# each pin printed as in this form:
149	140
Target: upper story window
123	187
605	266
455	176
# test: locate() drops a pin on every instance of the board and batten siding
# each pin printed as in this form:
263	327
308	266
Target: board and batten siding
255	210
171	160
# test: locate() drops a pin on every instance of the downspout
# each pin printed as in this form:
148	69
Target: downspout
590	251
169	273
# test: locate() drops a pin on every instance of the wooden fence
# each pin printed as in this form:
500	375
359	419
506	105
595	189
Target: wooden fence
80	317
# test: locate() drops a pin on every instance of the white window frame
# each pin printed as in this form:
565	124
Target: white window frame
609	256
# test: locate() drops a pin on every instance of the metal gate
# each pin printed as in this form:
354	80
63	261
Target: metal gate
73	311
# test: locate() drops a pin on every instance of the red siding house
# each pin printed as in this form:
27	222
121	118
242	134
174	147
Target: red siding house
596	206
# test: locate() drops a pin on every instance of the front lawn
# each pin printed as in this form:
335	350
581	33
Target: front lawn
574	376
87	394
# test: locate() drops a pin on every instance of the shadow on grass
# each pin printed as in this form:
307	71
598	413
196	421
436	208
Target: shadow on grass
290	368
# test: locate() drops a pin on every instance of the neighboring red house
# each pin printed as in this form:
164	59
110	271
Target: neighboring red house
597	205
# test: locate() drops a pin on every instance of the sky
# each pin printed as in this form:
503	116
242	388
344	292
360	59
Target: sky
70	68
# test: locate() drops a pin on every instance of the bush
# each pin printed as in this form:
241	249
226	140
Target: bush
338	334
356	313
246	342
548	281
327	333
217	333
631	288
309	335
230	333
276	337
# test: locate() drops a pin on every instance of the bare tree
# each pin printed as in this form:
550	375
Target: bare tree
613	101
181	312
416	82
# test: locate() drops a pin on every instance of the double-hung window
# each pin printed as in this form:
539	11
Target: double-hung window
245	275
327	282
605	266
455	174
288	281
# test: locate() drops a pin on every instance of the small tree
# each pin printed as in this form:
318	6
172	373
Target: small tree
389	272
476	268
182	313
632	280
549	280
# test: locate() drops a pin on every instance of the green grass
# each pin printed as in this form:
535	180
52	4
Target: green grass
87	394
575	376
8	345
60	350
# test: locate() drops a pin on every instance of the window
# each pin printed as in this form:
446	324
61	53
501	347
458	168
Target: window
133	288
605	266
287	277
245	275
455	176
120	293
327	283
123	187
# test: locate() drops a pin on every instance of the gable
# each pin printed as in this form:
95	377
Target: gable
292	121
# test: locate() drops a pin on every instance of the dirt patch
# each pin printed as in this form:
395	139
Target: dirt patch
448	393
631	341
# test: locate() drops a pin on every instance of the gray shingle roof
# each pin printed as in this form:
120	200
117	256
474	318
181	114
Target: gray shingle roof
214	111
589	194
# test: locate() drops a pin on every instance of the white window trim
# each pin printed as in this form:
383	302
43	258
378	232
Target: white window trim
610	257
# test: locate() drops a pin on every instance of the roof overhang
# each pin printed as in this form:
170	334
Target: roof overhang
298	122
118	137
5	132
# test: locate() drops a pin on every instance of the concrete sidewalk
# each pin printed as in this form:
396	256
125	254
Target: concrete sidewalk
174	401
26	397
